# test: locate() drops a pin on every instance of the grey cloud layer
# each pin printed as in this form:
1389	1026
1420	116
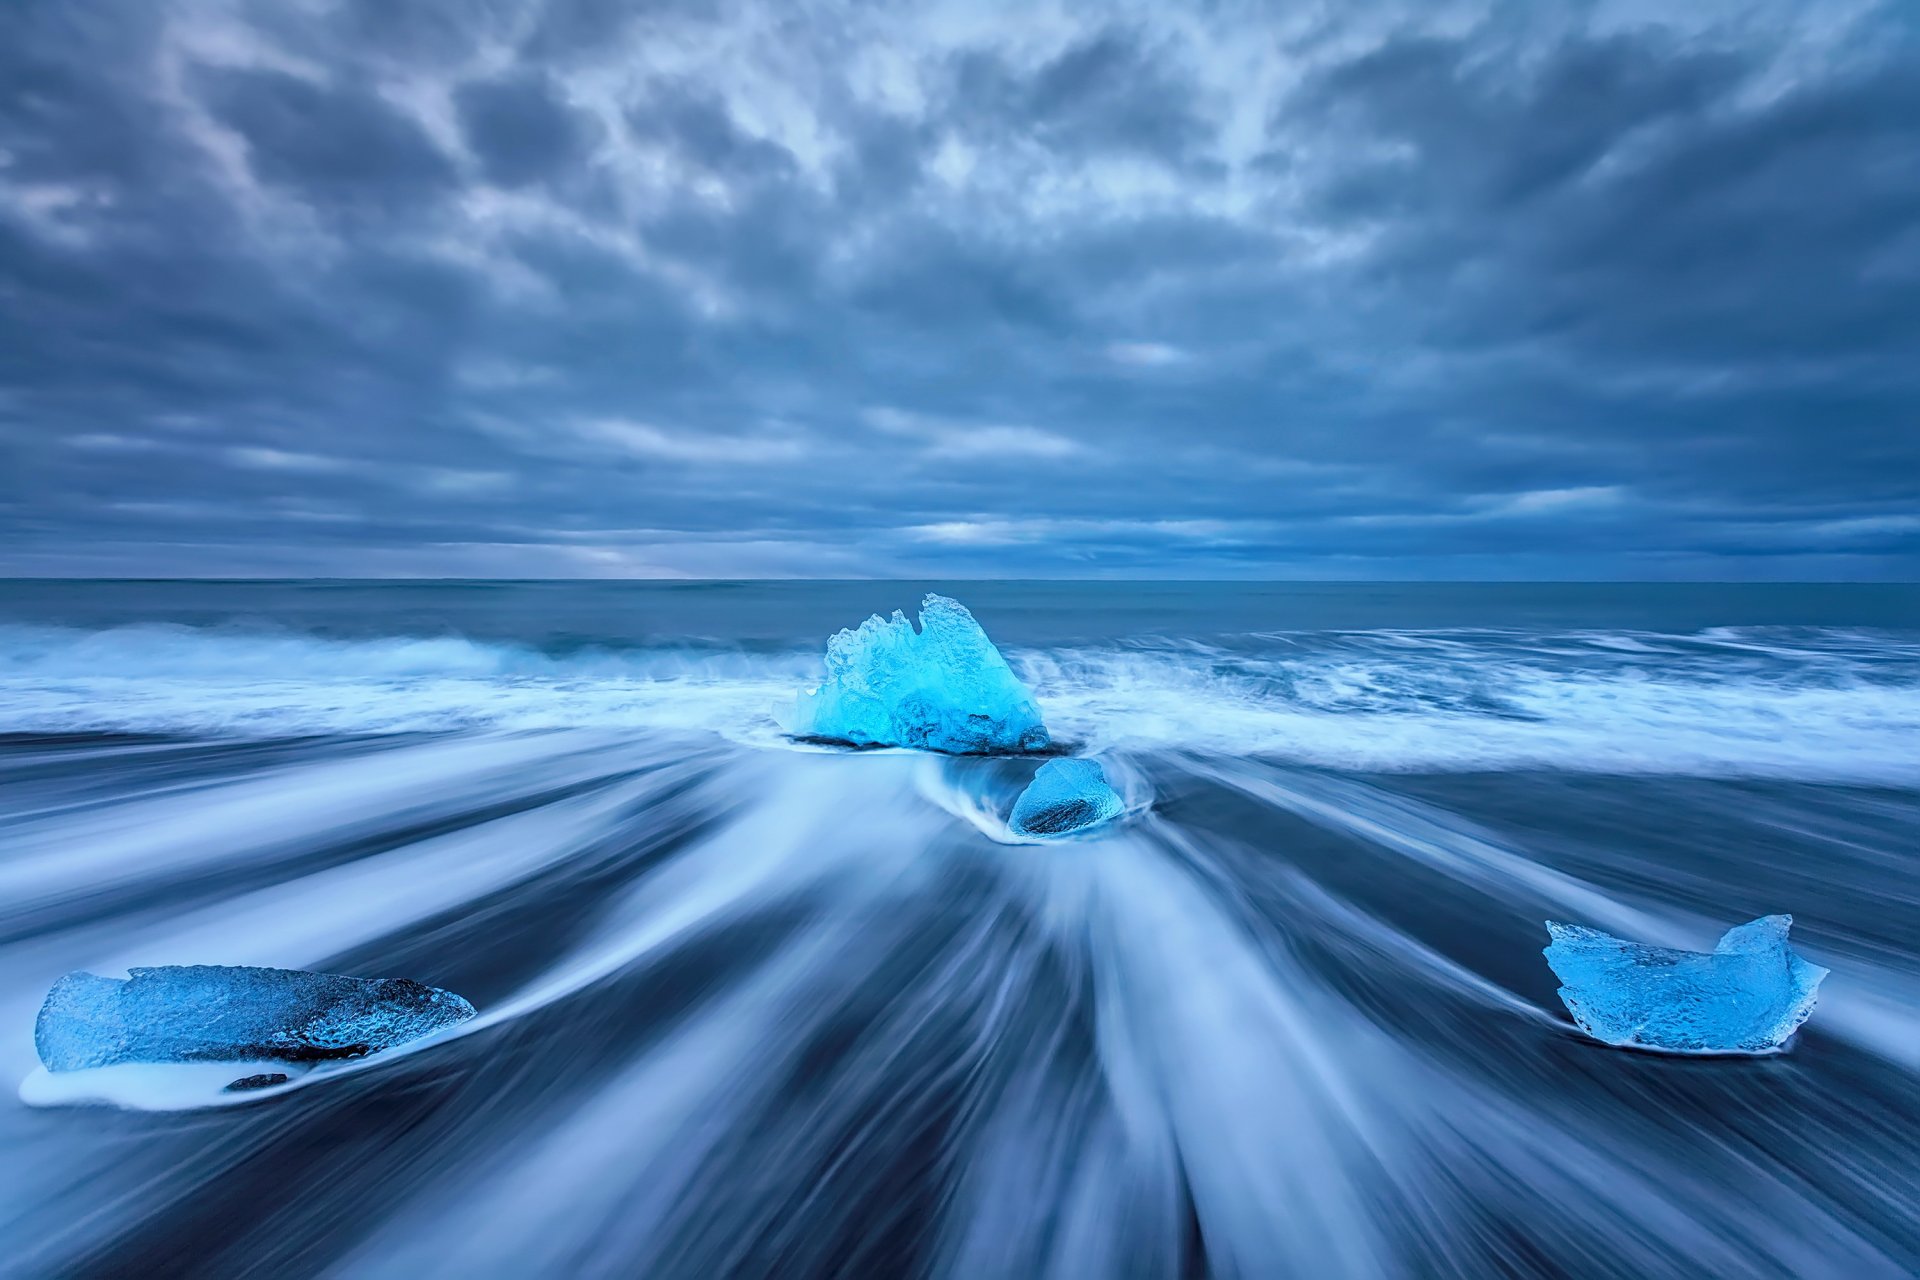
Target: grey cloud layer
593	287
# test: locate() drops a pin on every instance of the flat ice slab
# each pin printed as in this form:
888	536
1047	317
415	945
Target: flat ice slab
1065	796
1748	995
230	1013
941	688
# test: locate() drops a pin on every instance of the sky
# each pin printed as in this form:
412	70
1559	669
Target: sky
1376	289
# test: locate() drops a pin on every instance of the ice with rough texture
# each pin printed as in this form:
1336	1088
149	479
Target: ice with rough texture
1748	995
233	1013
1065	796
941	688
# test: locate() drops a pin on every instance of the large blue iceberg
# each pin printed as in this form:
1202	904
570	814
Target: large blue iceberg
941	688
1748	995
1065	796
233	1013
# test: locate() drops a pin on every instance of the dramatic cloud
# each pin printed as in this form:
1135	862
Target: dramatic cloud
525	287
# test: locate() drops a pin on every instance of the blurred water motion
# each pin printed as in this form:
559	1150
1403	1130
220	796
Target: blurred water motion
750	1010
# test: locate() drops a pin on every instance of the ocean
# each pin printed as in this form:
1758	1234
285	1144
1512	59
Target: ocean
751	1007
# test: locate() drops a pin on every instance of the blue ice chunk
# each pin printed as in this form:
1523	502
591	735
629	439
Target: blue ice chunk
941	688
1065	796
1748	995
233	1013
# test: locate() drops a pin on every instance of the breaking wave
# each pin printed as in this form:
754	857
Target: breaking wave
1834	704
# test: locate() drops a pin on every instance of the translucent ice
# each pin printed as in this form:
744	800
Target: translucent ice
1065	796
942	688
1745	996
221	1013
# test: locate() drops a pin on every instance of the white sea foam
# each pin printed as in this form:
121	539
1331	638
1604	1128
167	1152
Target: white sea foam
1726	704
741	1005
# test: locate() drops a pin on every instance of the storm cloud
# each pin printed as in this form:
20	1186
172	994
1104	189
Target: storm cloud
558	287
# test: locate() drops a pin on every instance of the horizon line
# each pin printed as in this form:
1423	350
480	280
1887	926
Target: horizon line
239	579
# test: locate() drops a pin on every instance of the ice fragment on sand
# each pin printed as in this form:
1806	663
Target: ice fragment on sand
1748	995
1065	796
941	688
223	1013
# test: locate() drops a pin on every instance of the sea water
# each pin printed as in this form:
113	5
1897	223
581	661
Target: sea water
748	1006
